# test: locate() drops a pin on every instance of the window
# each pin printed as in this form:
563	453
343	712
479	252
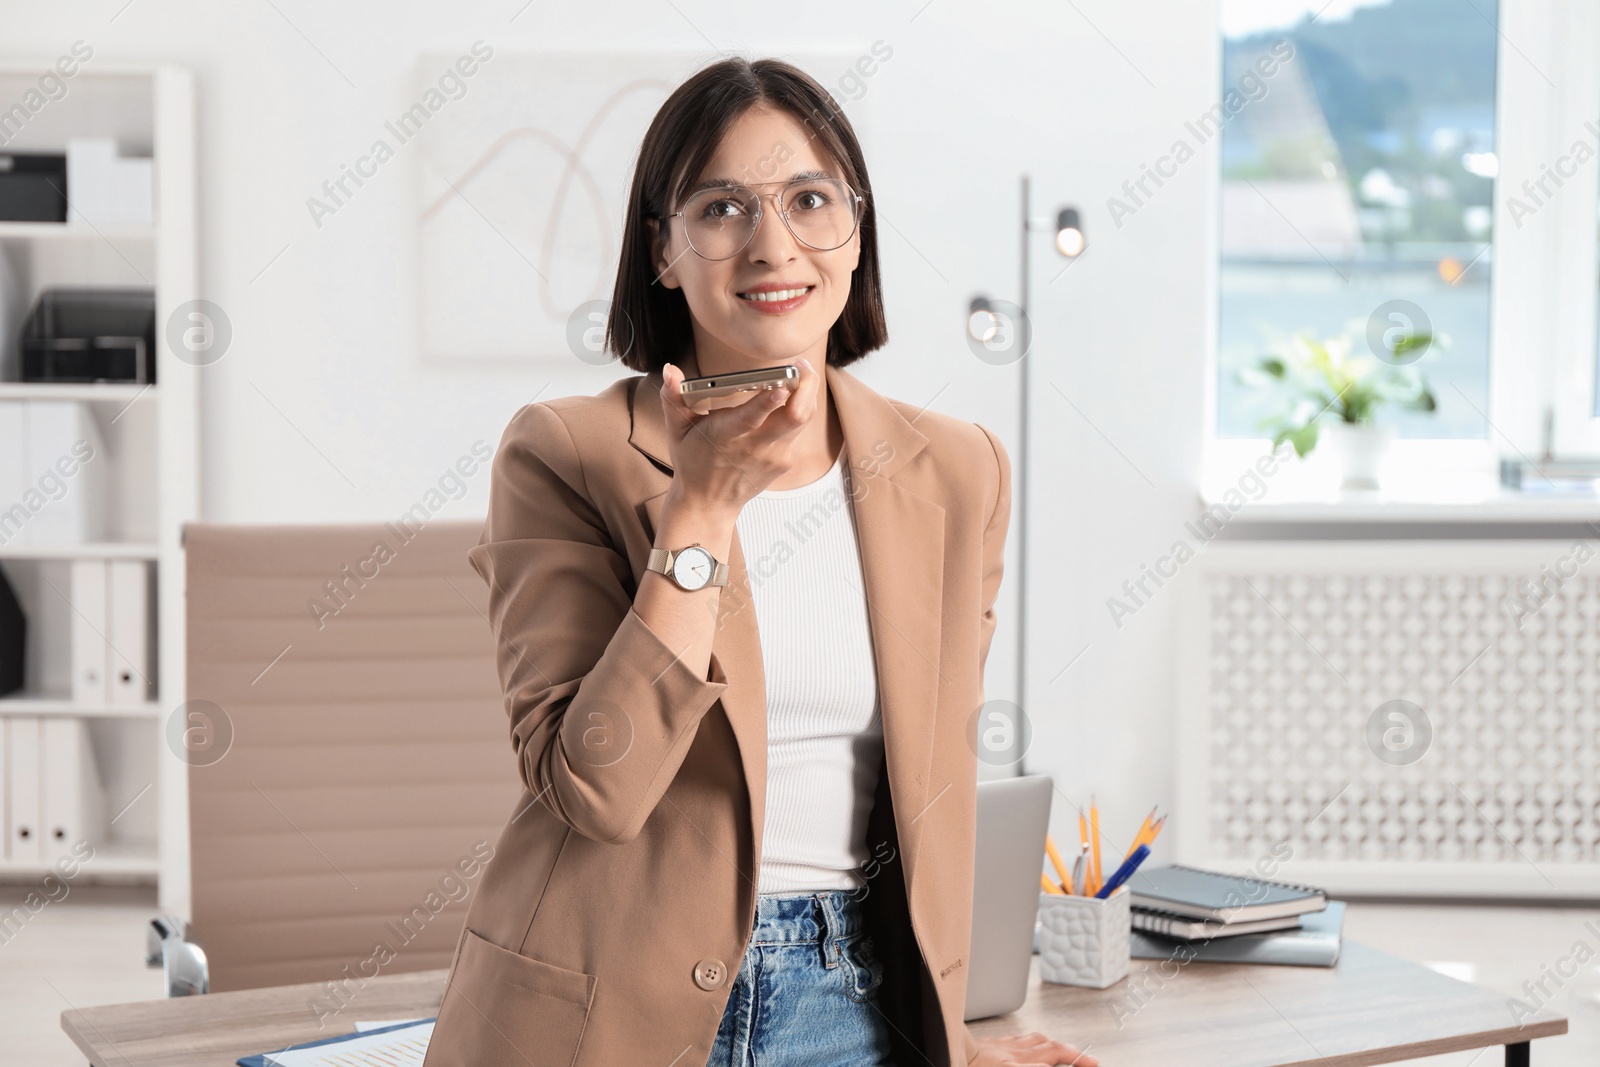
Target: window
1358	166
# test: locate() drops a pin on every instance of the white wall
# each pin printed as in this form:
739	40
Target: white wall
323	410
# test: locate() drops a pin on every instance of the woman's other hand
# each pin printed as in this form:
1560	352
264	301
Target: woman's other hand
723	458
1029	1050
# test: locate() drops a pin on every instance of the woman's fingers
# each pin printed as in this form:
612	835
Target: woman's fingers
807	391
759	417
752	436
1035	1047
679	414
785	410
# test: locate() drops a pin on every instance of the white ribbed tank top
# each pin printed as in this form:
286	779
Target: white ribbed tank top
824	727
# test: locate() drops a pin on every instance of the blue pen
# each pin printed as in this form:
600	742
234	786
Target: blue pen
1124	872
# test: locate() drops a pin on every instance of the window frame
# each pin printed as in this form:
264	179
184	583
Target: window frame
1574	296
1544	301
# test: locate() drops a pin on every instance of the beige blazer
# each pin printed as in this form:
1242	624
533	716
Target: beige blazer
619	903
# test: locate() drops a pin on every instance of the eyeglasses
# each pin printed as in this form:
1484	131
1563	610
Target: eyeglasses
822	213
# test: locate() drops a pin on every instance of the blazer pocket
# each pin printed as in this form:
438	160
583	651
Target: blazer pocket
502	1007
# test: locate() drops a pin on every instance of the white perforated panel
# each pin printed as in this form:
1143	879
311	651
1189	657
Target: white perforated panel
1395	717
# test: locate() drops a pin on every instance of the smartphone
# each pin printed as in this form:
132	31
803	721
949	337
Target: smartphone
727	390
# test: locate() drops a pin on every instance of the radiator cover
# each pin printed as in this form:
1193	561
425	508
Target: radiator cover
1295	762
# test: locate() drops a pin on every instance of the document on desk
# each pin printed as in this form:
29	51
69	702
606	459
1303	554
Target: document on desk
401	1045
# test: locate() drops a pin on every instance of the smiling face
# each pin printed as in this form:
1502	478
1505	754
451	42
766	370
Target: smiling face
733	331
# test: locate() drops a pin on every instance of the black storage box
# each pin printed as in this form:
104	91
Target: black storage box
33	187
13	638
91	335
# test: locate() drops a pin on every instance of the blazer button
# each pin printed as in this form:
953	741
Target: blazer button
710	974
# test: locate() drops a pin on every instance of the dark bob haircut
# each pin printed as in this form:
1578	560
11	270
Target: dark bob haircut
653	321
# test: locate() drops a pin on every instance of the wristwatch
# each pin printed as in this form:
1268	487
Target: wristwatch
691	567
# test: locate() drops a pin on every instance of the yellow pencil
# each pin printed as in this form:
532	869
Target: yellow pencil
1144	827
1048	886
1057	863
1094	844
1143	837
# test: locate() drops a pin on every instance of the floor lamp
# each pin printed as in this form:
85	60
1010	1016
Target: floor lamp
1000	333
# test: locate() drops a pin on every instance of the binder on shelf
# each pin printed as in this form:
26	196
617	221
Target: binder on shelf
70	787
24	843
64	450
90	654
13	464
129	633
52	473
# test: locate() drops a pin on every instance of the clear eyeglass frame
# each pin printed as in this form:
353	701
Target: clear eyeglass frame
856	203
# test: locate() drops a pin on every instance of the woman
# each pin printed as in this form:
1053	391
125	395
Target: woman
741	651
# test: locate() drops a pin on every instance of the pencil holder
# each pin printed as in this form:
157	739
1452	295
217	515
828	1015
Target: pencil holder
1083	941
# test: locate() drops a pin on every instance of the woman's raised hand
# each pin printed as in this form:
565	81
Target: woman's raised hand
723	458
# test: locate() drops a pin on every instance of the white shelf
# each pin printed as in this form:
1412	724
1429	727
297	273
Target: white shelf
1423	482
151	438
94	392
77	231
1378	506
86	550
34	704
117	859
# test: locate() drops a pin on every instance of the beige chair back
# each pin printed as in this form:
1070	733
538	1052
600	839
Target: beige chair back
359	770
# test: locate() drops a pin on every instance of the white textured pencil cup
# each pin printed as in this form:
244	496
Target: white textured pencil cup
1083	941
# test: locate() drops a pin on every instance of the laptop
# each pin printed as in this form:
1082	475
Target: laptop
1013	815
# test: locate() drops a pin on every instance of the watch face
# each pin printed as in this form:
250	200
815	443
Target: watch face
691	568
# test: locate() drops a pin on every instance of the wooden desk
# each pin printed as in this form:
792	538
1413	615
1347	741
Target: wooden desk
1371	1008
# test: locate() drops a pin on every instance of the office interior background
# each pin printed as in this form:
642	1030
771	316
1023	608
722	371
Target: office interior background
1400	679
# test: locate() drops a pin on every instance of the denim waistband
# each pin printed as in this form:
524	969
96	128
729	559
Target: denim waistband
807	918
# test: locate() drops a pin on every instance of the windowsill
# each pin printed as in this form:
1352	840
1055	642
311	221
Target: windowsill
1422	481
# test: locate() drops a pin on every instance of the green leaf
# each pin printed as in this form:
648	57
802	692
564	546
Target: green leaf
1412	342
1304	439
1424	401
1312	378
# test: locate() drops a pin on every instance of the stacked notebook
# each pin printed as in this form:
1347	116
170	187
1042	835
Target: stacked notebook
1222	917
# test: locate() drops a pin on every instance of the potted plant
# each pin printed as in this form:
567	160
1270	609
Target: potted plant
1323	388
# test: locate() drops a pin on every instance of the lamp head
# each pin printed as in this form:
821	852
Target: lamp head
1070	239
982	322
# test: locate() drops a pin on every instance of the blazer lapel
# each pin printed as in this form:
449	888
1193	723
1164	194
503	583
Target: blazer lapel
901	538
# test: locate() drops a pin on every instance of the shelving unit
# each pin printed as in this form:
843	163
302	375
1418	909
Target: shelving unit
150	438
76	231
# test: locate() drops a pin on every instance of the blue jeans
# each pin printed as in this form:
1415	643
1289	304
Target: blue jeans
807	989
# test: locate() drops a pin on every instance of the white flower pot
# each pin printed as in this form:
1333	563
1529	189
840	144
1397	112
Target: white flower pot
1360	448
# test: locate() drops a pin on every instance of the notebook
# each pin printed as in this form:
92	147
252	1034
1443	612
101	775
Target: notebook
397	1045
1314	943
1197	894
1170	924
